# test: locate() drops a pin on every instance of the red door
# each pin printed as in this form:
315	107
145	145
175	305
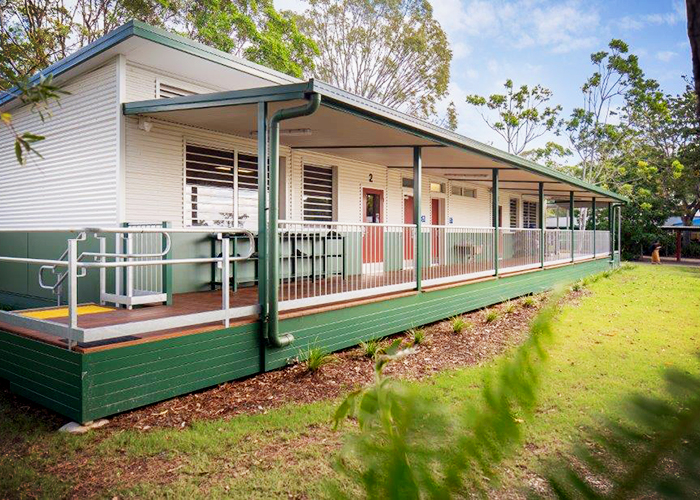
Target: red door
408	242
373	237
435	232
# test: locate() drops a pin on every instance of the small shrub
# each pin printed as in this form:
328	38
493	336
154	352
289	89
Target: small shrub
490	316
607	274
577	286
458	324
316	358
371	348
509	307
529	301
417	335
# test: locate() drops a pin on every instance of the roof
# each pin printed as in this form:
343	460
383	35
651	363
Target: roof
339	99
287	89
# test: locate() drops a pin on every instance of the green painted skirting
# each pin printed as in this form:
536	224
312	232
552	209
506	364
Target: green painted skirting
88	386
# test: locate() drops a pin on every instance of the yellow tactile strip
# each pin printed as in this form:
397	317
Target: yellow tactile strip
62	312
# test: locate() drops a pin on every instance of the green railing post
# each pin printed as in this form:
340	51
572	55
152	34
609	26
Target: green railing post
417	194
571	223
168	270
543	215
593	209
494	212
262	225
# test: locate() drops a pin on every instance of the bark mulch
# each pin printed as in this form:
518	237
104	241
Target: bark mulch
442	349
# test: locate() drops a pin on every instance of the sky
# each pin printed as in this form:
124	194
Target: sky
549	42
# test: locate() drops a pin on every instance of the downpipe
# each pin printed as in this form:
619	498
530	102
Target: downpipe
274	337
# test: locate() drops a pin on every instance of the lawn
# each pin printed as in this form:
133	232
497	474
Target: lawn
616	338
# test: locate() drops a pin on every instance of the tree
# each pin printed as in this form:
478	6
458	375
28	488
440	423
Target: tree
390	51
37	33
693	15
522	115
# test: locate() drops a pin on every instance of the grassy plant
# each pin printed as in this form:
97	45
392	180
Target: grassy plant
577	286
371	348
316	358
509	307
490	315
458	324
529	301
417	335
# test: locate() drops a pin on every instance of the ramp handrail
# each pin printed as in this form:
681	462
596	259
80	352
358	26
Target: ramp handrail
77	268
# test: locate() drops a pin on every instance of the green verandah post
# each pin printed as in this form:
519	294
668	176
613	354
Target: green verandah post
593	207
417	193
619	231
571	223
611	228
542	222
262	228
494	214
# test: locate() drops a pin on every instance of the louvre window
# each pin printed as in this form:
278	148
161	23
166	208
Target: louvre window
407	182
513	212
166	91
437	187
247	191
209	186
529	214
463	191
318	193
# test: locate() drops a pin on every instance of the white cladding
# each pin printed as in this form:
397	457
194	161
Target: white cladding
75	184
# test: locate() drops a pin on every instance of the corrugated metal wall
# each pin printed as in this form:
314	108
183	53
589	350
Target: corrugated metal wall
76	181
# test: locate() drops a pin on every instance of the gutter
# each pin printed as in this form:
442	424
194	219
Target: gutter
314	101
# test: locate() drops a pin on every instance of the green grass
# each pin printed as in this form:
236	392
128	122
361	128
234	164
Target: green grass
617	338
490	316
371	348
458	324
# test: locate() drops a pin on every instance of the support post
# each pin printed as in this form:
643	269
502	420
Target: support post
262	225
611	227
167	271
593	210
225	277
494	213
571	224
417	195
619	232
72	290
542	221
678	245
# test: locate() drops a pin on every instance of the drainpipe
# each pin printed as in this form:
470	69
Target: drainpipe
274	337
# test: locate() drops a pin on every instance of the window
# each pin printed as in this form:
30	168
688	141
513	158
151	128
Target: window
437	187
513	212
166	91
463	191
407	182
247	191
209	186
318	193
530	214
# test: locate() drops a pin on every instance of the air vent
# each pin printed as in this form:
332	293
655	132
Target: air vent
166	91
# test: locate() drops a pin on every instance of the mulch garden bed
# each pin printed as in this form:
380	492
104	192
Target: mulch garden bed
442	349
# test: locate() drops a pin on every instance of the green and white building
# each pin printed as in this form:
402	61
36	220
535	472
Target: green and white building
197	218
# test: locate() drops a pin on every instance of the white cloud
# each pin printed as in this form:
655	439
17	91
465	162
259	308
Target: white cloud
460	50
665	55
558	27
676	15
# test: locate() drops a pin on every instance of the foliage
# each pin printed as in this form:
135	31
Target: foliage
36	33
458	324
393	52
371	348
490	316
417	335
653	452
522	114
529	301
316	358
410	446
39	96
509	307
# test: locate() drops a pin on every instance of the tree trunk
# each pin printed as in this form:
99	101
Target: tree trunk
693	11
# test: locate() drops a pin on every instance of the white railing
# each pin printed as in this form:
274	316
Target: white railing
331	261
602	242
519	248
583	244
451	253
557	245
